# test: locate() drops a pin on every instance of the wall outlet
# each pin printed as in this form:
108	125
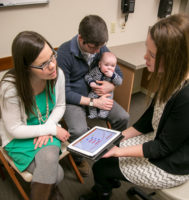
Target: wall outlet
112	27
123	27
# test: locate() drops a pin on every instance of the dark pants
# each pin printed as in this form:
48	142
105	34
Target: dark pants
106	171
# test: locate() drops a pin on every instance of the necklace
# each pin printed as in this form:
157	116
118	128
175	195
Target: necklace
39	115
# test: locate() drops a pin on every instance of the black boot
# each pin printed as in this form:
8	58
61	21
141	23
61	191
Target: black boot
96	194
115	183
40	191
56	194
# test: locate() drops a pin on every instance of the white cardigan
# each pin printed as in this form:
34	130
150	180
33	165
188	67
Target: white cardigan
13	121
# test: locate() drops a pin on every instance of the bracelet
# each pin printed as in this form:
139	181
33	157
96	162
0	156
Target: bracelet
91	103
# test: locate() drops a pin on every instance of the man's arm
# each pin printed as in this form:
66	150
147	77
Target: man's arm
102	103
65	62
105	87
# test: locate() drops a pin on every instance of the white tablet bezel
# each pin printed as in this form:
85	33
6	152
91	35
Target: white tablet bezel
70	146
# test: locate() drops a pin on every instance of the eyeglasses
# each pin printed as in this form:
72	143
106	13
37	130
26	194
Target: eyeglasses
46	64
93	47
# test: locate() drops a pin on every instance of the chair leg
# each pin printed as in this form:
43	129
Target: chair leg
2	173
108	125
12	175
80	178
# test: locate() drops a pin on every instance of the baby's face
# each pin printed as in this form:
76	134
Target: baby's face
108	63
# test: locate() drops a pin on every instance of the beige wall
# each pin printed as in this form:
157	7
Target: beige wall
58	21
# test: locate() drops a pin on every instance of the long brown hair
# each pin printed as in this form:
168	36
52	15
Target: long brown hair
26	47
171	37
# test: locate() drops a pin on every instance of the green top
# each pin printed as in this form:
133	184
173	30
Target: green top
41	103
22	150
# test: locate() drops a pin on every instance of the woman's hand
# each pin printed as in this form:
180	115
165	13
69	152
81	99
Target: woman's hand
62	134
103	102
130	132
129	151
111	153
42	140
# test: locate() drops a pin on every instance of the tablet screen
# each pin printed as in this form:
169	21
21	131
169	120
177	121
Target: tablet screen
94	140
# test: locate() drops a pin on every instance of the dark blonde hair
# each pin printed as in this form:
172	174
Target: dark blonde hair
171	37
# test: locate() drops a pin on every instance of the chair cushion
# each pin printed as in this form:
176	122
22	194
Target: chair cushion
27	176
64	150
176	193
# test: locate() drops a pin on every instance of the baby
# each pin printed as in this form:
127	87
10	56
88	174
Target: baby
104	72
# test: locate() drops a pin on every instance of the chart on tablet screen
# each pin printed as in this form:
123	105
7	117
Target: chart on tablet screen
94	140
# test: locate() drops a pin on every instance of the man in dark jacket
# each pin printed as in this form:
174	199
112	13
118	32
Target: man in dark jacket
76	57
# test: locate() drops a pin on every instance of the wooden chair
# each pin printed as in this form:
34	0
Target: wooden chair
11	168
176	193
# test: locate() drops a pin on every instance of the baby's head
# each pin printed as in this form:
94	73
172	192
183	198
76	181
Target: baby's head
107	62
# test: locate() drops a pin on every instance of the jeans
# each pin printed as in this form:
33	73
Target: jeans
76	119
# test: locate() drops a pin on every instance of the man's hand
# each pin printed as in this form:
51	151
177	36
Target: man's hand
105	87
103	102
62	134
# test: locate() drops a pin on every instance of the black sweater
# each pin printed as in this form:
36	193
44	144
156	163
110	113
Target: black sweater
170	148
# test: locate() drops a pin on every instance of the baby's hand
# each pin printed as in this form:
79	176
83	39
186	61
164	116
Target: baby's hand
108	73
92	84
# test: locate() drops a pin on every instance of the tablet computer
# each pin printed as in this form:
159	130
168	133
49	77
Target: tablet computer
95	143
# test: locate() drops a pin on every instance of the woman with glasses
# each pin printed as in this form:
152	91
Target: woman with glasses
32	101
